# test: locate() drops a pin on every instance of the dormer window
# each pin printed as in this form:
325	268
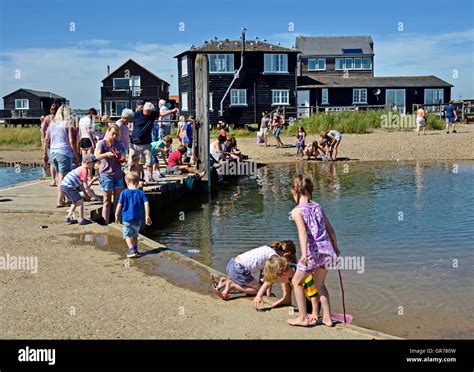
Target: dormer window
317	64
221	63
276	63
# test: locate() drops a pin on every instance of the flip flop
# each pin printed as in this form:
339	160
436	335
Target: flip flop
339	318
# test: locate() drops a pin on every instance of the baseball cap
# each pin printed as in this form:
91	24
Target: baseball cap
140	103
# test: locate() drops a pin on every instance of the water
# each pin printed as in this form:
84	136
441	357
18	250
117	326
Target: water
10	176
412	222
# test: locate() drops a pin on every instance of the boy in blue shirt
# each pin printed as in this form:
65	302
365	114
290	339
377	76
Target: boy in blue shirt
129	211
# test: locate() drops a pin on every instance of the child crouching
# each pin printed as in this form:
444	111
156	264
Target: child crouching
129	211
74	182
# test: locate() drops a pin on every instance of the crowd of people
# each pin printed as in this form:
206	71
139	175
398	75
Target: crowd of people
114	154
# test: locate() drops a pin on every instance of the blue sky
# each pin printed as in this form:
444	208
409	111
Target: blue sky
65	45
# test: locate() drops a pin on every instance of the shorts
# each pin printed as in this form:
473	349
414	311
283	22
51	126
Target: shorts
420	122
173	169
71	194
277	132
238	274
264	131
449	121
86	143
60	162
108	183
141	150
130	229
165	130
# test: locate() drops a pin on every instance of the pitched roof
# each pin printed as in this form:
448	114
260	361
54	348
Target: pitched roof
220	46
372	82
334	45
144	68
38	93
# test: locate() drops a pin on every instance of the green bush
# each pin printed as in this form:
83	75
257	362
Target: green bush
434	122
20	137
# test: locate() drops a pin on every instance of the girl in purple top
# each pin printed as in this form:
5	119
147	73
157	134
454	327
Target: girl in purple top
318	244
110	153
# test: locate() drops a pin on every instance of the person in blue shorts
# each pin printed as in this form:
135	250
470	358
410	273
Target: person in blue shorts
129	211
451	116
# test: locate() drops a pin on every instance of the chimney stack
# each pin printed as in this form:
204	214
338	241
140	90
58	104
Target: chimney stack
108	70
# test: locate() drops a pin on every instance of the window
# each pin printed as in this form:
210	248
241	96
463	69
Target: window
339	63
367	63
348	62
358	63
211	108
433	96
351	51
22	104
184	66
221	63
316	64
121	83
280	97
324	96
184	101
238	97
276	63
120	106
359	96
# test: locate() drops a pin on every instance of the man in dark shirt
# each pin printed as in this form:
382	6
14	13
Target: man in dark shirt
451	116
143	122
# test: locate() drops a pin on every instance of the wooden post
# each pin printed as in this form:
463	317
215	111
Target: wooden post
201	72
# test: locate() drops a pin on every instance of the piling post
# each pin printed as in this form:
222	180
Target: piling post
201	71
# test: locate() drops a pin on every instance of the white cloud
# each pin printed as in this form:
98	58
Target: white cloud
76	72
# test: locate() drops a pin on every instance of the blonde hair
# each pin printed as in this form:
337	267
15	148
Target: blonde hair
132	177
63	113
274	268
287	249
302	185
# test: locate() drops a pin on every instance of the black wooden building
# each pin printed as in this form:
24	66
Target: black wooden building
267	79
337	72
29	103
127	85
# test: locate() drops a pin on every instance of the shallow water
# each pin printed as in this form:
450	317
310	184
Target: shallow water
10	176
411	222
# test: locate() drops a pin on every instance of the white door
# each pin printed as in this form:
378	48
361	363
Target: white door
395	98
135	86
303	104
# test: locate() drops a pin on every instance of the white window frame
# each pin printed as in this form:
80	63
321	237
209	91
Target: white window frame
434	90
316	60
121	90
211	108
359	90
324	96
363	65
277	97
226	58
270	62
233	93
22	104
343	64
184	101
184	66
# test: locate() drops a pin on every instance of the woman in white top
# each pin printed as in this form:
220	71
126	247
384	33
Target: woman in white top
333	137
86	131
240	268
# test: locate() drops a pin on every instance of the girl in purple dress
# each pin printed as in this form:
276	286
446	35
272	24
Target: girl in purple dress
318	245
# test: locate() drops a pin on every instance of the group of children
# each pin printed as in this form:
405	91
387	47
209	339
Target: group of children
277	263
327	147
271	123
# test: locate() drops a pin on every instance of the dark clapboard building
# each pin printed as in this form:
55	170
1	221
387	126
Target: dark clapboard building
267	79
29	103
338	72
127	85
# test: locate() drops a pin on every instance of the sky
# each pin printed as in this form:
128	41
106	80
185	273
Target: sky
64	46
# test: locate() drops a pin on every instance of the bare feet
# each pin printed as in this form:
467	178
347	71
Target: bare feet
312	319
299	322
328	322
